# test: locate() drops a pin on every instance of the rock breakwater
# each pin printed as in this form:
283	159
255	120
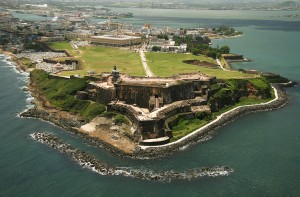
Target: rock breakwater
88	161
72	126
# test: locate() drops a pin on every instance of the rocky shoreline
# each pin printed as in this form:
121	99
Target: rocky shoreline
72	125
88	161
18	65
162	151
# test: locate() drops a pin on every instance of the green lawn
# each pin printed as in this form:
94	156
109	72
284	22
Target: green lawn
186	127
102	59
62	46
224	63
168	64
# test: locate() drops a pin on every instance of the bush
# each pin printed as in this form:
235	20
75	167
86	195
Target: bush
203	115
156	48
224	50
109	114
79	106
66	104
93	110
119	119
273	78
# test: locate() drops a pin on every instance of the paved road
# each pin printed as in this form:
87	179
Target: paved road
145	65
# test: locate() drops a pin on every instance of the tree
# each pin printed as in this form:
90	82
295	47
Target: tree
160	36
166	37
163	36
156	48
195	51
213	53
224	50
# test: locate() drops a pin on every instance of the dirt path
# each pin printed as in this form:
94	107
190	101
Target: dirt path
220	64
145	65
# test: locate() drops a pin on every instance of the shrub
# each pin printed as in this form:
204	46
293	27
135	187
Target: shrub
79	106
109	114
119	119
66	104
203	115
93	110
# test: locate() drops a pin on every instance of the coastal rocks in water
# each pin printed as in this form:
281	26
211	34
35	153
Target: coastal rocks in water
88	161
72	126
62	122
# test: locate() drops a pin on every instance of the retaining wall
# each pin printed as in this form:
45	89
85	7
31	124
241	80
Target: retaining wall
280	100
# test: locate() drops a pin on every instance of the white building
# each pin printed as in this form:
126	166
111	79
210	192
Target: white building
116	40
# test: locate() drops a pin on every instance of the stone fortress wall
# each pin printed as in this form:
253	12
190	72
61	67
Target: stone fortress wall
141	94
149	101
136	97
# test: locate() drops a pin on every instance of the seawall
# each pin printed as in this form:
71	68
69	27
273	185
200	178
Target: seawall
281	98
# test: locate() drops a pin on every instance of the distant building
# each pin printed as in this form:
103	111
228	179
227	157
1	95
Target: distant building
116	40
178	49
192	32
158	42
36	6
82	35
166	45
52	39
112	25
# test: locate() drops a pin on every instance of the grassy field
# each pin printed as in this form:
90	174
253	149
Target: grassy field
102	59
168	64
224	63
62	46
185	127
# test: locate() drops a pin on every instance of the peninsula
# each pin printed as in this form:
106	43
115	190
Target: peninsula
134	115
140	94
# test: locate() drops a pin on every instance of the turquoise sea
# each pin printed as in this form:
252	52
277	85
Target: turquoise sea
263	148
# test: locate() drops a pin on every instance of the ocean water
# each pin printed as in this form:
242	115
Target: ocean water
262	148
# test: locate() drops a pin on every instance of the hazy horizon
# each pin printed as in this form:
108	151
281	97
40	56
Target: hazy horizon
164	1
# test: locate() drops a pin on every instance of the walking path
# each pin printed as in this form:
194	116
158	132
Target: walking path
145	65
220	64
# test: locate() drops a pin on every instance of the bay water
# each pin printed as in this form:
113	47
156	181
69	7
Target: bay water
263	148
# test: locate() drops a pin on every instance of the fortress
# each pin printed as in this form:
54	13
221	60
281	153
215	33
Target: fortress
149	101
